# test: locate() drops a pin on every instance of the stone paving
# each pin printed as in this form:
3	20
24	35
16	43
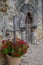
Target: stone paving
34	55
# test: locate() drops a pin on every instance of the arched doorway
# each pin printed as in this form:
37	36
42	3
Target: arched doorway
28	22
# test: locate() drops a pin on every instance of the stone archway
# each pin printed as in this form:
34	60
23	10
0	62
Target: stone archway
30	8
26	9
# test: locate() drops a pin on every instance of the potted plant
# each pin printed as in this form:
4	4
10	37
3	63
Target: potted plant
14	52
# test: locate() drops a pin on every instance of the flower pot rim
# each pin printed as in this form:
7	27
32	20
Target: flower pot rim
12	56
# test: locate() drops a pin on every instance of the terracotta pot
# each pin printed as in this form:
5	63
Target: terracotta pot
13	60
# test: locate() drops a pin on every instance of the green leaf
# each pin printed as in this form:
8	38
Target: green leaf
9	48
19	51
6	51
16	47
12	50
24	46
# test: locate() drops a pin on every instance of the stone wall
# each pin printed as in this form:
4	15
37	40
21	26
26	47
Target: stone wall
39	29
12	8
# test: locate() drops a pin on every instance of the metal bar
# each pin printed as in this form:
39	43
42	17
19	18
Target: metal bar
14	29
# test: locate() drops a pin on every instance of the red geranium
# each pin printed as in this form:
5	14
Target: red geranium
15	49
16	55
13	45
24	51
3	41
4	47
22	42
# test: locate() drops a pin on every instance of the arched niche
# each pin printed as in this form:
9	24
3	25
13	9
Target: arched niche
30	8
29	18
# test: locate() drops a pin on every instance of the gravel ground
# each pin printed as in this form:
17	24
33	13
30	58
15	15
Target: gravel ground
34	55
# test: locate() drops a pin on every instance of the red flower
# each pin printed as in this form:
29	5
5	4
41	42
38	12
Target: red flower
22	42
3	41
24	51
16	54
13	45
4	47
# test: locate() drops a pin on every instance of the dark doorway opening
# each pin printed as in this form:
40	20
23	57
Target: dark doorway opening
28	22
